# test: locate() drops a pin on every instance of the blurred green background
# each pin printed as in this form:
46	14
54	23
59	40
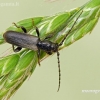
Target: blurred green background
80	62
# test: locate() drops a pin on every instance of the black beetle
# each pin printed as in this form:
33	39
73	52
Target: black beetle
23	40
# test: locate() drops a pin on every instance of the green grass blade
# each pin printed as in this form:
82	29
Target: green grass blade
16	77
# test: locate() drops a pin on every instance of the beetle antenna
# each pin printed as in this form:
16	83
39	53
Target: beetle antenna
70	29
59	70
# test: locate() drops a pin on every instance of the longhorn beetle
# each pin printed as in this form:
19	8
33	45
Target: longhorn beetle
24	40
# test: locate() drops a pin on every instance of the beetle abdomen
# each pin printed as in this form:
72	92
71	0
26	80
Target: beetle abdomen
21	39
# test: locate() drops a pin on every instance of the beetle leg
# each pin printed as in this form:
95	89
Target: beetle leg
23	28
50	53
38	55
25	31
17	49
37	31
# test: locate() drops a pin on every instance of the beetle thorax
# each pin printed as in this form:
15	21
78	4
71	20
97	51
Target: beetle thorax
47	46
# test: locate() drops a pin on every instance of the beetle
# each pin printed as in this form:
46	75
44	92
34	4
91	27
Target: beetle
24	40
